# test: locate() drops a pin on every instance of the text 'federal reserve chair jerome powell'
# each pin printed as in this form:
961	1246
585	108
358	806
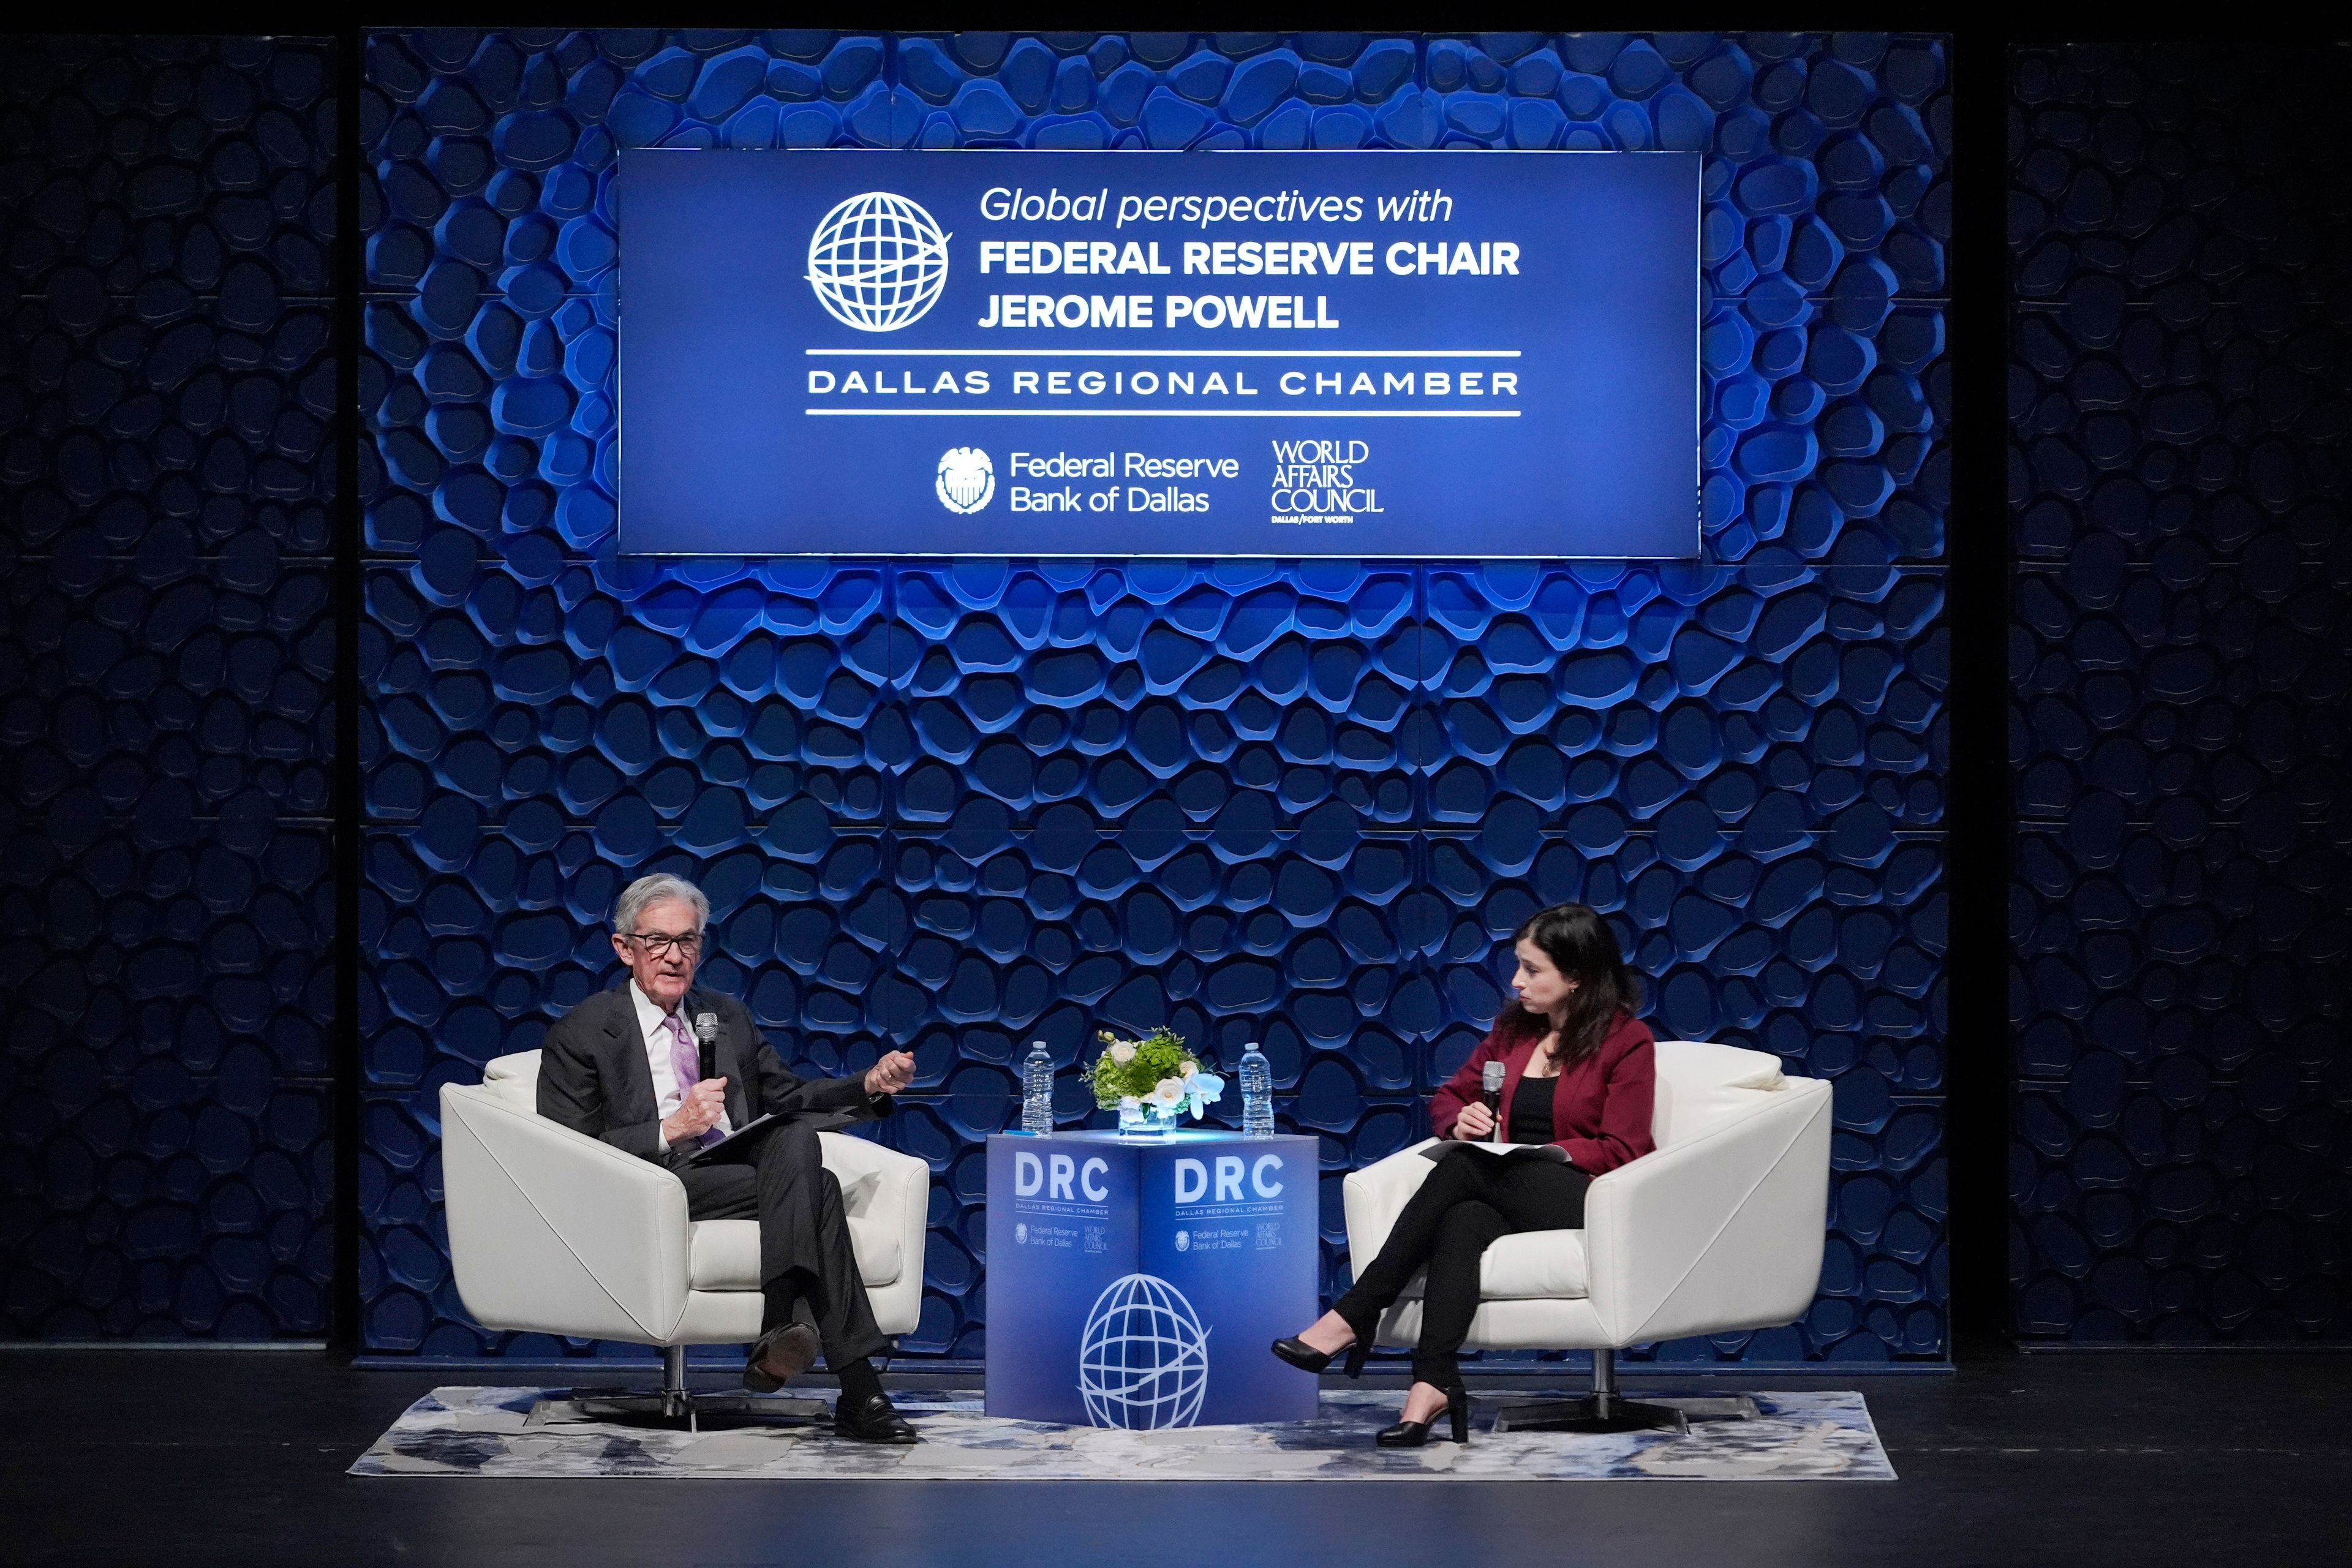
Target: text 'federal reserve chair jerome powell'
1719	1229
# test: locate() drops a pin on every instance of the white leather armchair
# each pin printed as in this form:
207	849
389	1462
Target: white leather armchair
552	1231
1719	1229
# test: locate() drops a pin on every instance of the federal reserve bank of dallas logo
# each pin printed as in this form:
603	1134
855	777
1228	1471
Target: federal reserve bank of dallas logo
877	262
966	481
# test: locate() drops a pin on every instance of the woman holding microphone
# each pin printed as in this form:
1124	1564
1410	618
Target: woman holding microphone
1578	1074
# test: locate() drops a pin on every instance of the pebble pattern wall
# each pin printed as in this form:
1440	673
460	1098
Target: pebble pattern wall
166	656
2180	389
957	806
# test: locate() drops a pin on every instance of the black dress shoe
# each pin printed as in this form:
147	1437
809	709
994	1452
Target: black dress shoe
873	1419
782	1355
1414	1434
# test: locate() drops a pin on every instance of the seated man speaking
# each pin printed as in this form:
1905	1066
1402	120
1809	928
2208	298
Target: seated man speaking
626	1065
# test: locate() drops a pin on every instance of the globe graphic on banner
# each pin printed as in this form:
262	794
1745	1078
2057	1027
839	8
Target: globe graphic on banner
1143	1356
877	262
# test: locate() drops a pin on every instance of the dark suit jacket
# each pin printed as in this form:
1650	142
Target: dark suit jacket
593	1078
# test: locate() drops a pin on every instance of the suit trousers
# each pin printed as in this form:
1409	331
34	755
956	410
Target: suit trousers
1468	1202
804	1235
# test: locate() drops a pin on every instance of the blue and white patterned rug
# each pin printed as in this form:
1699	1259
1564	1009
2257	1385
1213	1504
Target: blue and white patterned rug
1824	1435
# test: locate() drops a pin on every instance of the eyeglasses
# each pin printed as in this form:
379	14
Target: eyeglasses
657	945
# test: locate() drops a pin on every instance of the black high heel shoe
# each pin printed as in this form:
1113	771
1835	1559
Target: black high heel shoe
1306	1358
1414	1434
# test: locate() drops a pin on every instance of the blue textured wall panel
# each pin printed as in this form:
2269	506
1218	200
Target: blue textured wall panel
2180	656
958	805
166	722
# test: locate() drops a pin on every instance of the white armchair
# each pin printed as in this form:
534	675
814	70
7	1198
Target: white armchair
1719	1229
552	1231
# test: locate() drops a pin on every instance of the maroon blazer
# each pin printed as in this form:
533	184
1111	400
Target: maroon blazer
1601	1114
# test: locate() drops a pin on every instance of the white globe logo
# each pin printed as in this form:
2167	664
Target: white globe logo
1143	1357
966	480
877	262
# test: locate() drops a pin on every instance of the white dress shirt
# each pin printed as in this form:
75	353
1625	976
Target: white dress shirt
661	1055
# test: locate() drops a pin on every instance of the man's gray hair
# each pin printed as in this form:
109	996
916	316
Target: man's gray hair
653	889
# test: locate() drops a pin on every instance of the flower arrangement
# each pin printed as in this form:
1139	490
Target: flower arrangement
1155	1075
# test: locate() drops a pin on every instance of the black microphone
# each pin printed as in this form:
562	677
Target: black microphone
1493	1085
706	1035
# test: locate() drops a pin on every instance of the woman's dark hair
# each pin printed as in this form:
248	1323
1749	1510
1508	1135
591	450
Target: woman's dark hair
1580	946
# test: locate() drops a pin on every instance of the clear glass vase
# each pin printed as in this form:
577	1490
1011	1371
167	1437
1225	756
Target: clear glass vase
1149	1121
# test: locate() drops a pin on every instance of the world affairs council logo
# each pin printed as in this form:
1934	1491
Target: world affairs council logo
877	262
966	481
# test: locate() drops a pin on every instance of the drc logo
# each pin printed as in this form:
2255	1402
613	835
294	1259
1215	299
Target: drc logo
877	262
966	480
1143	1357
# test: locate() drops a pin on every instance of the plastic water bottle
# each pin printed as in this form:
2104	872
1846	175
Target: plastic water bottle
1037	1090
1257	1094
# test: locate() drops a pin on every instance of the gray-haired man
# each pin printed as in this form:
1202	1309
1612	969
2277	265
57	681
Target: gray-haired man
626	1065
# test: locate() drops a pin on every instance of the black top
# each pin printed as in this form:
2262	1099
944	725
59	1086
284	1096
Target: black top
1532	1110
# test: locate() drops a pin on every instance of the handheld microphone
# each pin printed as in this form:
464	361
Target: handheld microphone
1493	1084
706	1035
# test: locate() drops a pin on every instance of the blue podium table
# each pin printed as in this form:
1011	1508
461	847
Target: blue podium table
1135	1282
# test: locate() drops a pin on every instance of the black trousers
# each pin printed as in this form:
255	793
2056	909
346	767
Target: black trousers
803	1235
1466	1202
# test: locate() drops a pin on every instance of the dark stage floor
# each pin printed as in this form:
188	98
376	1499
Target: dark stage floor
195	1458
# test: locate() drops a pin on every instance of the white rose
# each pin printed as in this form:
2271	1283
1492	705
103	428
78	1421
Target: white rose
1167	1091
1122	1053
1188	1067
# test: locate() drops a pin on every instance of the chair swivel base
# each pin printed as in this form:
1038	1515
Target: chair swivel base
1614	1413
676	1411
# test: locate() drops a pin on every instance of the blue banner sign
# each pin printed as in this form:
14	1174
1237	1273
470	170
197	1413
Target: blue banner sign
1357	354
1136	1284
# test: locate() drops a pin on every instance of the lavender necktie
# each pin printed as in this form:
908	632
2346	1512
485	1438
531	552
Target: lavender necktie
686	1060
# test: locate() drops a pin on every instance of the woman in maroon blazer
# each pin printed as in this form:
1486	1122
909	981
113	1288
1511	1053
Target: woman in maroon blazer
1578	1070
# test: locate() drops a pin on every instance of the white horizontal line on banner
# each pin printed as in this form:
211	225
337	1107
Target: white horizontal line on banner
1169	412
1178	353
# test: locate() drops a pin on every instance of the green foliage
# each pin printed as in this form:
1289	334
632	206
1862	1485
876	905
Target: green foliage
1159	1055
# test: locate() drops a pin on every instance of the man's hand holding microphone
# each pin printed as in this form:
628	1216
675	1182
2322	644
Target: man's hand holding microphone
707	1101
699	1113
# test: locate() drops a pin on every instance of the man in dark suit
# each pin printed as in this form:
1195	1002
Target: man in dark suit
626	1066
